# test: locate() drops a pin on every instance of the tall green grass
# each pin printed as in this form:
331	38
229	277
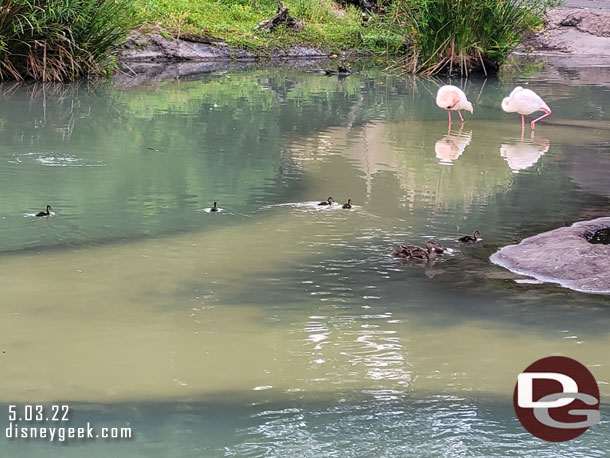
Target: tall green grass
461	35
57	40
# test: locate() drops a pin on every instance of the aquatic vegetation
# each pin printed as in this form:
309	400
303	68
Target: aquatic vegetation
54	40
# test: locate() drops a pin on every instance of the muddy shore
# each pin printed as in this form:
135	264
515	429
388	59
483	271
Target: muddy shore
580	28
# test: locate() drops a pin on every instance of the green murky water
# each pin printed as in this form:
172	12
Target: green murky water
275	327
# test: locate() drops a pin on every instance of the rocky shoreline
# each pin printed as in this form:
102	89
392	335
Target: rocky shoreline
580	32
150	57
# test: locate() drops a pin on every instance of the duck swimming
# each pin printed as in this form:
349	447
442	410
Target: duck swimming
214	208
470	238
327	202
348	204
342	70
438	248
47	212
416	253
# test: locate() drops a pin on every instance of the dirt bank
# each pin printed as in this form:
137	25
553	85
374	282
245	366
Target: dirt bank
582	28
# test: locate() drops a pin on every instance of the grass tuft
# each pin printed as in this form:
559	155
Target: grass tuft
57	40
461	35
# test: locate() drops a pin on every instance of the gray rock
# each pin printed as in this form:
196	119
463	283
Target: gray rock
154	47
562	256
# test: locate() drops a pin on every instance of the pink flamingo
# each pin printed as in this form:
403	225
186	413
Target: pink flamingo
452	98
525	102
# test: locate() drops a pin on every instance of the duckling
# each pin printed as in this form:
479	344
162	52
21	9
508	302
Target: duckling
327	202
342	70
348	204
403	251
47	212
438	248
415	253
470	238
214	208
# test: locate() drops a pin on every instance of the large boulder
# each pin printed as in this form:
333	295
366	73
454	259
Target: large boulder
566	256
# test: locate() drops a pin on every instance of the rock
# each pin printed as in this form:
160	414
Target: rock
562	256
571	20
155	47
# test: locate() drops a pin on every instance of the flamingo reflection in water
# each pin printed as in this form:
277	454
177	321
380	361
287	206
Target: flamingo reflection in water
523	154
449	148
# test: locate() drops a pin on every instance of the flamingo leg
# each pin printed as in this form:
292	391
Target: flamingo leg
522	122
546	113
460	113
449	112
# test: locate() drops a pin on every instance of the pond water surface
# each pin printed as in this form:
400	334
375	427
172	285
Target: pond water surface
276	327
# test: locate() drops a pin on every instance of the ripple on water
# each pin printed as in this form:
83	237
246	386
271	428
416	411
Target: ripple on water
209	210
391	423
54	160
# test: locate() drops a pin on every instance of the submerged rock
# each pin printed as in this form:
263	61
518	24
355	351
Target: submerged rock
575	257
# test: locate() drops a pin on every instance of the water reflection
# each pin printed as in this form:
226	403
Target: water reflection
449	148
524	154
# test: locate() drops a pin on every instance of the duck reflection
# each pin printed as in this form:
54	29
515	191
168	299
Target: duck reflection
523	154
449	148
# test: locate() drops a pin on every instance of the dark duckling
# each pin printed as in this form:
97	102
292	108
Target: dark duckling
214	208
470	238
348	204
47	212
342	70
327	202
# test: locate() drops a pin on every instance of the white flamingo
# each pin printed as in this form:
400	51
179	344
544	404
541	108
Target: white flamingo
525	102
453	98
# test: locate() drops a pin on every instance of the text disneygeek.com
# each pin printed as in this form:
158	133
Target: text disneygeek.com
25	423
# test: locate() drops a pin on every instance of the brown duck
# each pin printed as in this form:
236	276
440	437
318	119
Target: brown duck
416	253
